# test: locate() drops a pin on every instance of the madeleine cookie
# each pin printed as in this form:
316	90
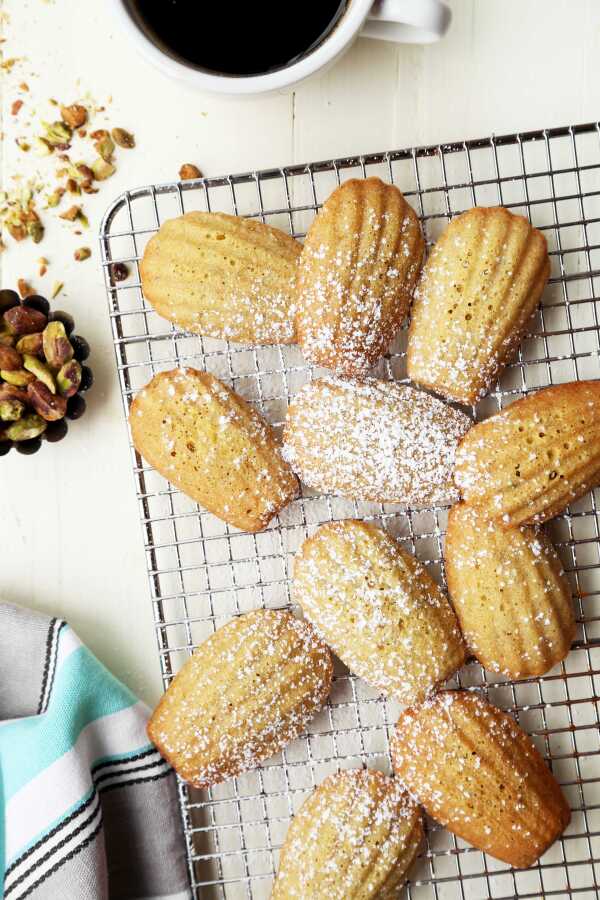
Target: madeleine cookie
479	288
378	609
246	692
213	446
374	440
224	277
474	770
357	271
510	594
354	838
528	462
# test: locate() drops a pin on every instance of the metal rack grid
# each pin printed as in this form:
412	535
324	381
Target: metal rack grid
202	572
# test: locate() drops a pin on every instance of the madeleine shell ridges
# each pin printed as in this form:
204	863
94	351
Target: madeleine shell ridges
246	692
213	446
354	838
477	773
478	290
223	276
356	275
509	591
374	440
528	462
378	609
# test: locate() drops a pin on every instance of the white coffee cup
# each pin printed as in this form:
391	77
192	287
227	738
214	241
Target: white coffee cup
406	21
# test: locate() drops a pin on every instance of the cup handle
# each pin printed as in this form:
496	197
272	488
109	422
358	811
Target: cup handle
407	21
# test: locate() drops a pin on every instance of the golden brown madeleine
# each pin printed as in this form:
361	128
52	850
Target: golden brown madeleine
246	692
358	268
529	461
374	440
213	446
474	770
378	609
224	277
354	838
511	596
479	288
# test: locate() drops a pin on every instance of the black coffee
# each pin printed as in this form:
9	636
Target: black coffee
239	37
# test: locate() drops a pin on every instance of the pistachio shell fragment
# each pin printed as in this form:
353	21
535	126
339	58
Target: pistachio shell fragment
26	428
49	406
69	378
40	370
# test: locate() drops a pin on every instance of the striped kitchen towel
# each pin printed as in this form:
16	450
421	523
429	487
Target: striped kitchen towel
88	808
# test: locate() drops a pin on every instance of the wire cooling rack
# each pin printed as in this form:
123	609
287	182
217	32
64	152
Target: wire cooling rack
203	572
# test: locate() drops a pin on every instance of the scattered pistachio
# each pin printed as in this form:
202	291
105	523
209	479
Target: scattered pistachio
11	410
54	198
10	359
58	134
74	116
56	289
104	146
23	144
26	428
40	370
82	253
102	169
84	172
72	186
56	345
47	404
43	264
25	290
42	147
123	138
16	106
71	214
35	230
188	171
69	378
119	271
31	343
17	231
17	377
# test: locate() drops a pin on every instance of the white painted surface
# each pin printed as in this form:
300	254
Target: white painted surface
70	539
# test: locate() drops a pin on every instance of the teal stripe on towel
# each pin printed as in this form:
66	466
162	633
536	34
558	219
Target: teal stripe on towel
84	690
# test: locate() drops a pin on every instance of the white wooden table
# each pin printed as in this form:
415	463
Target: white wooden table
70	538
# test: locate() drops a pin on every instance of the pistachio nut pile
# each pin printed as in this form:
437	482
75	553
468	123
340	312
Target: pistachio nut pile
41	373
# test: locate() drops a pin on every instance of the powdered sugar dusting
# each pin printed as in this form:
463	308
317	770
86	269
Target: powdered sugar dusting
474	770
213	446
224	277
374	440
479	288
510	594
526	463
355	836
247	691
357	270
378	609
